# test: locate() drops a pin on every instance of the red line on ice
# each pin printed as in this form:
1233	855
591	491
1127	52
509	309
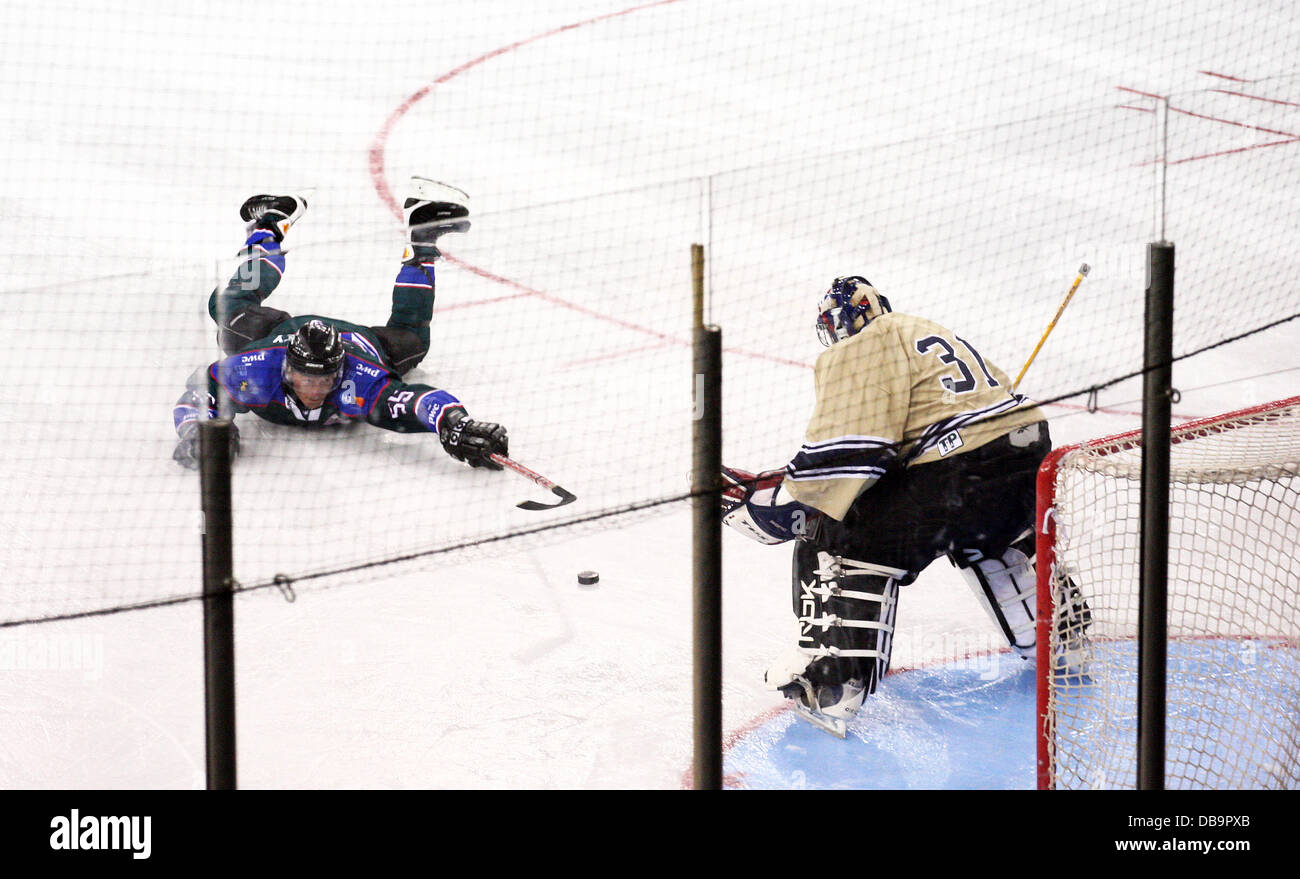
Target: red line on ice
459	305
1230	122
730	741
1125	88
1225	76
1230	152
380	143
1203	116
377	176
1256	97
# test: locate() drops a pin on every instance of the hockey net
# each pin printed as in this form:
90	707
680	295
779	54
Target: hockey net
1233	668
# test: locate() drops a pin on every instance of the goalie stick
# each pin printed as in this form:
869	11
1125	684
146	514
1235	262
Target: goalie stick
1078	279
565	497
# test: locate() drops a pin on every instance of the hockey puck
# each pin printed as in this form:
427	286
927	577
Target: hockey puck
588	578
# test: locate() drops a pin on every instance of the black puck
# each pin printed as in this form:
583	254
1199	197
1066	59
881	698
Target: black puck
588	578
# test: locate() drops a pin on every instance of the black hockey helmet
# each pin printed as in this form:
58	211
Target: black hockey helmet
315	349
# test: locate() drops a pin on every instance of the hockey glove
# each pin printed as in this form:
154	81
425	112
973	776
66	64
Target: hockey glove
187	448
473	442
757	506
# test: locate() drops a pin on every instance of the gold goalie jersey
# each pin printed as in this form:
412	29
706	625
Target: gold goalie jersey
904	391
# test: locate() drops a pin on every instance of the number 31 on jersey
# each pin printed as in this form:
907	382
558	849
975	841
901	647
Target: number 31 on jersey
966	382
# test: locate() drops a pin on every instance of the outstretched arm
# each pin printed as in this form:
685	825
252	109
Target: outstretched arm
410	408
200	401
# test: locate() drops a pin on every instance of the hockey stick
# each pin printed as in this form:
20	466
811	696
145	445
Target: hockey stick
1083	273
564	496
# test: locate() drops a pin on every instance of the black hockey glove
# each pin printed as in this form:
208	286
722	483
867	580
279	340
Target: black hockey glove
187	448
473	441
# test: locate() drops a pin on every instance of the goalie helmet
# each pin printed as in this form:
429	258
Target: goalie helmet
848	306
315	349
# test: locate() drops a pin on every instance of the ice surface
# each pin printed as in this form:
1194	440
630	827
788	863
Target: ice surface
124	163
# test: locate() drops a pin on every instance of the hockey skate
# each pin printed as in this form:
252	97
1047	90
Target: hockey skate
275	213
431	210
828	707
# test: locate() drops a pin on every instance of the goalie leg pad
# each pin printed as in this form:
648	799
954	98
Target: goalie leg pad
1006	587
846	610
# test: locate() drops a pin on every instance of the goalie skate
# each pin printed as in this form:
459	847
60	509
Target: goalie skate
827	707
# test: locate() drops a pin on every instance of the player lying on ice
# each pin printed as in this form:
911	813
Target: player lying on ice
917	448
312	371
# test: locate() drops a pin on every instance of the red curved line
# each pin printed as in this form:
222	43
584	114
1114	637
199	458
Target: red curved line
380	143
377	169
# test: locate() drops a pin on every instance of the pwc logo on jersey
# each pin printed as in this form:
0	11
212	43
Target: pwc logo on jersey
367	370
253	358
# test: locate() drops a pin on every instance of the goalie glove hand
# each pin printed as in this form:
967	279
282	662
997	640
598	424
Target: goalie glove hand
187	447
473	442
756	505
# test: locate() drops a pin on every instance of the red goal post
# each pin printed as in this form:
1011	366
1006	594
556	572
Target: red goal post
1234	522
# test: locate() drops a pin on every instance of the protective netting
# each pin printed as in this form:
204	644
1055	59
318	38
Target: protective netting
1233	718
965	158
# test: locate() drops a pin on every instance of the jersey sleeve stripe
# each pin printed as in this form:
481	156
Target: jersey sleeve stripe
841	457
850	440
931	435
835	473
271	263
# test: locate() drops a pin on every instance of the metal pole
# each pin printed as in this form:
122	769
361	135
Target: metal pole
706	485
218	602
1157	399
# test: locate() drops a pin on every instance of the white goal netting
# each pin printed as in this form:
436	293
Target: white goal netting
1233	673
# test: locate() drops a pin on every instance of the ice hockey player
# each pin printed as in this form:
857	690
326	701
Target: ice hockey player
917	448
313	371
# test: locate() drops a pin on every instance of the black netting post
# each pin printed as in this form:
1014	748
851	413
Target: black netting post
218	602
1157	400
706	485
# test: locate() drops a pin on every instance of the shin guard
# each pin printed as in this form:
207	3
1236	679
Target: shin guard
846	610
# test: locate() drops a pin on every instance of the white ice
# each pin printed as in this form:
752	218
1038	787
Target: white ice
966	157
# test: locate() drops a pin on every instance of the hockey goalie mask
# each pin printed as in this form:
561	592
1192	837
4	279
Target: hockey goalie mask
313	363
848	306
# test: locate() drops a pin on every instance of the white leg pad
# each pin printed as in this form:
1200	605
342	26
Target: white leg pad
1007	589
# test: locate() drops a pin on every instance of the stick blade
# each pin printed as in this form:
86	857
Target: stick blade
564	498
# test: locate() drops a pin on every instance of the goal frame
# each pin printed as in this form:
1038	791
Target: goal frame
1045	522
